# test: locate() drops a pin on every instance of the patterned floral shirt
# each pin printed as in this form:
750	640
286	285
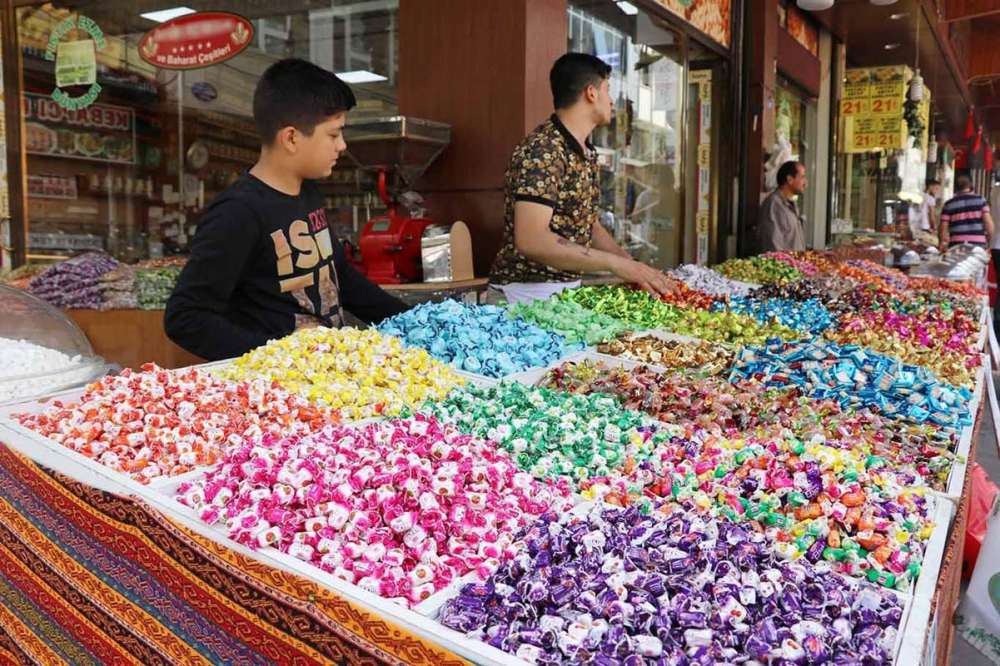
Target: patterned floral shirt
550	167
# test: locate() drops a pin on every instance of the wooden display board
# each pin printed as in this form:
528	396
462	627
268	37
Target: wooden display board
131	338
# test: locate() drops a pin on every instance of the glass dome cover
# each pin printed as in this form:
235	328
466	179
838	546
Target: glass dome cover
28	318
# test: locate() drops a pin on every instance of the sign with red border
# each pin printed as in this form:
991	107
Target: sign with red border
196	40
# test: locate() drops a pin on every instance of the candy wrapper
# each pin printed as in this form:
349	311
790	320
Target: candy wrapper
758	270
641	311
615	586
399	508
572	321
74	283
362	374
789	259
948	347
809	316
478	338
553	433
702	357
707	281
855	377
703	409
158	423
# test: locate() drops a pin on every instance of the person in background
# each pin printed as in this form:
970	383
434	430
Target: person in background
926	221
780	227
965	217
263	261
552	197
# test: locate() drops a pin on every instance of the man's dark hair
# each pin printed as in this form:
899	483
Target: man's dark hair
789	169
572	73
931	182
298	93
962	183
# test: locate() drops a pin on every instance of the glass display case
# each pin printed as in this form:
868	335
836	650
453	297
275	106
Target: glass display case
41	350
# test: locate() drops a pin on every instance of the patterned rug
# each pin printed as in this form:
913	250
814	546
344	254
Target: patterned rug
90	578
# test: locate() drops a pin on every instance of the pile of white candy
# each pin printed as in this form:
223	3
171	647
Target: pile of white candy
20	357
706	280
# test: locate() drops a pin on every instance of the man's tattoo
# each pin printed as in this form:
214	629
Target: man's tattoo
564	241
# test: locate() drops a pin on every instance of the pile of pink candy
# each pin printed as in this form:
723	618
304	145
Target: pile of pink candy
400	508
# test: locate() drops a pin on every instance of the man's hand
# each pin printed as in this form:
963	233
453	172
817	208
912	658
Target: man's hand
648	278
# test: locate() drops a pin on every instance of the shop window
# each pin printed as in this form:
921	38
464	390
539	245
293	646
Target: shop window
642	152
133	172
795	124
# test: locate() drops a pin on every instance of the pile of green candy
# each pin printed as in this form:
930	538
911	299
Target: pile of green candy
553	433
569	319
758	270
639	310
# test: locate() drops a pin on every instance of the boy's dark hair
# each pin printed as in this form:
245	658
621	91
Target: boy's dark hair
298	93
931	182
789	169
572	73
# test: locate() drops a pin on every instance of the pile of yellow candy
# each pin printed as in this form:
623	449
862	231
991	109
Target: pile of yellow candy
363	374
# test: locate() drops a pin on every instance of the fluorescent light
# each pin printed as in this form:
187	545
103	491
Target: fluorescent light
893	46
360	76
628	8
815	5
164	15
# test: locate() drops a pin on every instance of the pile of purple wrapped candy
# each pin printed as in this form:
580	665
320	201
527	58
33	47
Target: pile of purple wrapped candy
615	587
74	283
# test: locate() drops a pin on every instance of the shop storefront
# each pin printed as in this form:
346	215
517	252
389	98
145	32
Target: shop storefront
134	122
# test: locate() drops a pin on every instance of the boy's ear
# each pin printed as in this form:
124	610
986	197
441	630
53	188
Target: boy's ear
287	138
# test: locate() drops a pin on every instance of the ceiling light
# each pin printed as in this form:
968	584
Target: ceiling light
814	5
360	76
882	3
896	17
892	47
628	8
164	15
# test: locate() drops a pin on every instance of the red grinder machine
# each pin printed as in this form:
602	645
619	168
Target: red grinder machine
401	149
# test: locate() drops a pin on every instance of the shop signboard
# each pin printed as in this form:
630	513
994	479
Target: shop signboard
100	132
196	40
712	17
872	108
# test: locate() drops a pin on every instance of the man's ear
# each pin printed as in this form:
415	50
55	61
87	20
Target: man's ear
591	94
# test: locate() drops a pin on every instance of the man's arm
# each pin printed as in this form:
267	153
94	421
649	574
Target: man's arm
602	240
535	240
194	316
359	296
990	228
943	231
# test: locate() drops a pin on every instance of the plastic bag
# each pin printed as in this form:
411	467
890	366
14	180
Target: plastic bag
982	493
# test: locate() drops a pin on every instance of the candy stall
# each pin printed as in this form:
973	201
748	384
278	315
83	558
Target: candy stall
768	464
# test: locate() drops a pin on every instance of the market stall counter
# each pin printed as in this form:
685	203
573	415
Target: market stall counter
603	473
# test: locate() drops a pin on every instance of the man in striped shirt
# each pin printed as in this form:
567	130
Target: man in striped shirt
966	218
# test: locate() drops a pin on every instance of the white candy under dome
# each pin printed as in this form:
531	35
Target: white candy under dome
41	349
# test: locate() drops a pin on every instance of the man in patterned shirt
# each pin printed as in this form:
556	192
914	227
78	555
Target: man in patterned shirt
552	202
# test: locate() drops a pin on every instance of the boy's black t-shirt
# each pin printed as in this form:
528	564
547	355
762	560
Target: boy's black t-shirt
261	259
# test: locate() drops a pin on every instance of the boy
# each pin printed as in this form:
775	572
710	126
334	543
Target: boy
552	229
263	262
